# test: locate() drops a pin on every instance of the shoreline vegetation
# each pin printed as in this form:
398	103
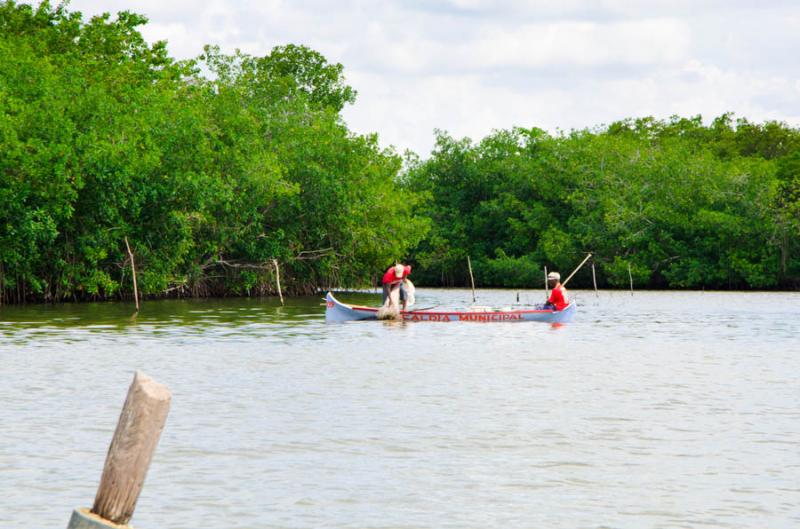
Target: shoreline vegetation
216	169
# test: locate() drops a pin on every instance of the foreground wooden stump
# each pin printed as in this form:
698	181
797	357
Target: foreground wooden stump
138	430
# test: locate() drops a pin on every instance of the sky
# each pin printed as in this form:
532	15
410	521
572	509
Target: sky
469	67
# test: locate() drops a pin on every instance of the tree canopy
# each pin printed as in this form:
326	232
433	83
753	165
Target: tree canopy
213	168
683	205
105	137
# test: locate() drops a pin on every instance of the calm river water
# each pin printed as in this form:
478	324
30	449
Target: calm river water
657	410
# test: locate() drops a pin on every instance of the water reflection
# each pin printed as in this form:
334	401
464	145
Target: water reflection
185	319
682	316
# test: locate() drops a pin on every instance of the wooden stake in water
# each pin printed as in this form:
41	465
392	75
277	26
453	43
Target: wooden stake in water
594	281
138	430
471	279
133	269
546	289
630	276
278	279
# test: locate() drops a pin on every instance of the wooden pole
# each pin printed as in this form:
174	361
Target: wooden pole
576	270
133	268
546	289
132	447
471	279
278	279
630	276
594	281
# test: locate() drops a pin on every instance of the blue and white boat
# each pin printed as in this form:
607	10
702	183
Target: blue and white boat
336	311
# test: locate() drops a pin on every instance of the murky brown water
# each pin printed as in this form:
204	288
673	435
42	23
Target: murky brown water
657	410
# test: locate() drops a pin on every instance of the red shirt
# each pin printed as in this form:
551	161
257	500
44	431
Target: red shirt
558	297
389	277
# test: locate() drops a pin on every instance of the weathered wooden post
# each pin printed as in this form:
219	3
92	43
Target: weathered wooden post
471	279
132	447
630	276
546	289
133	269
278	279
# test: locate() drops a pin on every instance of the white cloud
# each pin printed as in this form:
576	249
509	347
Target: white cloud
471	66
643	42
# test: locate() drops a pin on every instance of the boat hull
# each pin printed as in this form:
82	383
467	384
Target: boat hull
337	311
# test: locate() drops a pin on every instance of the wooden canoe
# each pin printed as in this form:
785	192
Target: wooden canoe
336	311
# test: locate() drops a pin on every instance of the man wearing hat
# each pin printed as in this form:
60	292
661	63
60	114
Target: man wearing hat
558	294
393	278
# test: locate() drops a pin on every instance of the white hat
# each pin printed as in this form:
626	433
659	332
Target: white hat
398	270
554	276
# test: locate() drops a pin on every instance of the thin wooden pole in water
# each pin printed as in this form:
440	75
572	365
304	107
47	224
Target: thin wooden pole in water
630	276
594	281
138	430
133	269
471	279
278	279
546	290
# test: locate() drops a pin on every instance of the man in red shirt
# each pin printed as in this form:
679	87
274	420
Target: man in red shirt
393	278
558	296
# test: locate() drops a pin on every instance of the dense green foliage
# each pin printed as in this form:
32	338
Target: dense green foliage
682	204
213	168
104	137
